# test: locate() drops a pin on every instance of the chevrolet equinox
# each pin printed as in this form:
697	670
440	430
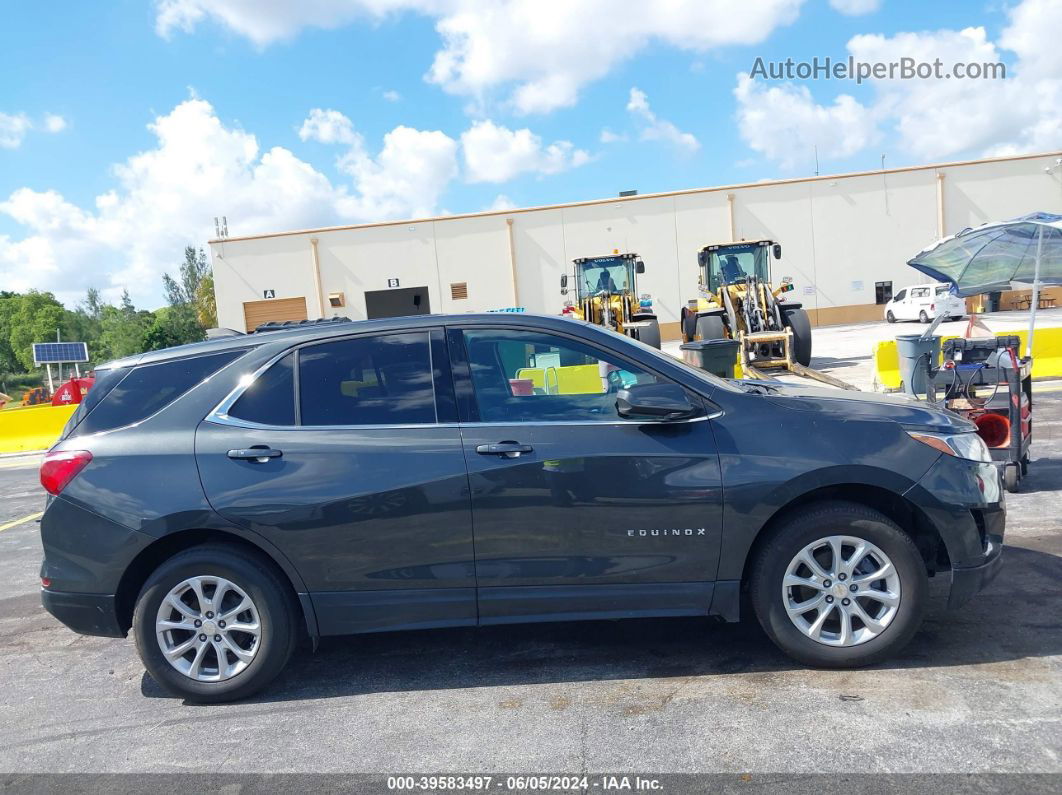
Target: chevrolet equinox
223	499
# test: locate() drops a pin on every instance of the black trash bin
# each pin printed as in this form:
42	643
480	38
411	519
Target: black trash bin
718	357
994	300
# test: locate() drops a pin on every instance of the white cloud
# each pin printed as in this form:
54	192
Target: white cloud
655	129
167	196
928	119
327	127
786	124
54	123
405	179
271	20
502	202
855	8
541	54
496	154
392	96
609	137
15	126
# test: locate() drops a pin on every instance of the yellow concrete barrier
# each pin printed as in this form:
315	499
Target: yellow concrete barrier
32	428
1047	355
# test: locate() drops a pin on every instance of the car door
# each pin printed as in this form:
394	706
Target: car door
345	454
899	305
578	512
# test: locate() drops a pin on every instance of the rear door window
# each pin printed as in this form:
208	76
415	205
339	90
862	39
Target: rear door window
383	379
148	388
270	399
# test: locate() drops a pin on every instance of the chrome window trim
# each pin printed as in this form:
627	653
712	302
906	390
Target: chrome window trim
235	422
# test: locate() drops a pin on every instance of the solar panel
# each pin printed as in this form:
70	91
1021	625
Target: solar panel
54	352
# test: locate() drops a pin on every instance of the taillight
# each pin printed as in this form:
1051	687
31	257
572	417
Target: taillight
58	469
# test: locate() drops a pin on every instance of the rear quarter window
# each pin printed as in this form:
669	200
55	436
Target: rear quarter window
146	389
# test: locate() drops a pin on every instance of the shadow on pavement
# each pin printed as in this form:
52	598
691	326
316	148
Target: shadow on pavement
835	362
1018	616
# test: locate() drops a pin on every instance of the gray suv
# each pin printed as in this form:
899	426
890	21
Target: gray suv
226	498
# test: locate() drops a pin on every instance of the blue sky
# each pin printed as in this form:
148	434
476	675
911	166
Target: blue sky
179	110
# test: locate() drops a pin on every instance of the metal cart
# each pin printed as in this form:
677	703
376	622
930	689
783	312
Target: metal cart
984	379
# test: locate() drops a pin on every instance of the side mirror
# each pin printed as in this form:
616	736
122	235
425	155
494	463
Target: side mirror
776	249
639	267
564	282
663	402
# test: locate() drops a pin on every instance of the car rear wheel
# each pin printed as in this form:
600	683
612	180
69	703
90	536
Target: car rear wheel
215	623
890	317
923	317
839	586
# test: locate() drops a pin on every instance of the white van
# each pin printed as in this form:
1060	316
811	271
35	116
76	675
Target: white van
922	301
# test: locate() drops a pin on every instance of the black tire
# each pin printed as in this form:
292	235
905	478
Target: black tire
953	318
923	317
710	327
800	323
809	525
1012	477
890	317
259	579
650	334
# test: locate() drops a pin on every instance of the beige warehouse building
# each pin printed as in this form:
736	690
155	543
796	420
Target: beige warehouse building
845	238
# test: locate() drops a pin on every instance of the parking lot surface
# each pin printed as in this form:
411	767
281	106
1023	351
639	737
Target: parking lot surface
979	689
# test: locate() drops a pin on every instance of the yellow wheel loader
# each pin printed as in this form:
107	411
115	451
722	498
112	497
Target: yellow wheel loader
606	294
737	301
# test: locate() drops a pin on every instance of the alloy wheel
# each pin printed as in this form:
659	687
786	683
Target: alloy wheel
208	628
841	591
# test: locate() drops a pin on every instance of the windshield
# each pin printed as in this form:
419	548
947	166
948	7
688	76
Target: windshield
731	264
607	274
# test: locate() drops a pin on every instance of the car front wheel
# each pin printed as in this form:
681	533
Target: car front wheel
839	586
215	623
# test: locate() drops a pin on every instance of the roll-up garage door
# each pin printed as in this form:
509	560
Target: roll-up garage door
279	310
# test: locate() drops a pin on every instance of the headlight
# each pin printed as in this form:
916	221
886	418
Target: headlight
961	445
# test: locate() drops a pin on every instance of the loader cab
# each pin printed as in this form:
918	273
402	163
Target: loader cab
731	263
615	275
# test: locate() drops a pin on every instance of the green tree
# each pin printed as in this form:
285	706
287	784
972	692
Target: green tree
206	307
9	304
37	319
84	322
122	329
180	323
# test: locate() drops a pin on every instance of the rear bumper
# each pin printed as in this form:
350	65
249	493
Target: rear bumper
87	613
967	581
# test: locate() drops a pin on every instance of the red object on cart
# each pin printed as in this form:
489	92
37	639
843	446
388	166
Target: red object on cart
72	391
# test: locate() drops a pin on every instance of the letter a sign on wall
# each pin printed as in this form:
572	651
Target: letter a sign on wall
269	293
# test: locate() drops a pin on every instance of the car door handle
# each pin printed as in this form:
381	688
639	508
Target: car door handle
506	449
259	454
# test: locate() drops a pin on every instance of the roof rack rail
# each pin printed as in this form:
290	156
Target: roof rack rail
284	325
220	333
